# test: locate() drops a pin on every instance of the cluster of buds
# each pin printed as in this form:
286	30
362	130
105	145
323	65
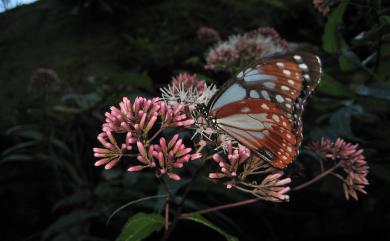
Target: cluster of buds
164	156
351	160
239	165
140	123
240	50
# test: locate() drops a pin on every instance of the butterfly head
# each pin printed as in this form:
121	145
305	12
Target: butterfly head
203	111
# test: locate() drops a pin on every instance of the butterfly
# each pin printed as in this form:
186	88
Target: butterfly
261	107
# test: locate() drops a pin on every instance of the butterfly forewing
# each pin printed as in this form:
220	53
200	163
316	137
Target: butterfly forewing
262	107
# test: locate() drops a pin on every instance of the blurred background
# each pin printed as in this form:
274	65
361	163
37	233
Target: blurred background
63	63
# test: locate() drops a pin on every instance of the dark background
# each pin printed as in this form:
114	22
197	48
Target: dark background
93	52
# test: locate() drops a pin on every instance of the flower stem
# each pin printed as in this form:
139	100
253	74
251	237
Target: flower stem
225	206
177	214
156	134
316	178
253	200
167	213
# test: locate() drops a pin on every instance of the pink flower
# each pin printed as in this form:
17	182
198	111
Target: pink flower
273	188
174	117
187	90
222	57
188	81
230	166
139	122
352	161
323	6
242	49
141	116
165	156
208	35
111	153
138	117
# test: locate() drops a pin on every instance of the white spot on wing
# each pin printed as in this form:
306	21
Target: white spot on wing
279	98
284	87
232	94
303	67
258	77
245	109
297	58
287	72
265	94
264	106
280	64
240	75
254	94
244	121
276	117
269	85
290	81
248	70
253	72
257	134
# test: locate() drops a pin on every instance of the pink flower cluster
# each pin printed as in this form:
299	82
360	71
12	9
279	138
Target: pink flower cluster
208	35
351	160
164	156
323	6
188	81
235	159
141	116
273	188
242	49
186	89
139	124
240	164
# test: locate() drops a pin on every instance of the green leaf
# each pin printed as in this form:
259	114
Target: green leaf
61	145
141	226
332	39
385	19
332	87
200	219
348	61
19	147
385	50
16	157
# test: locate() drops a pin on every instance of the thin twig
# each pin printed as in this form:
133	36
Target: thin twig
316	178
180	205
131	203
156	134
167	213
221	207
253	200
167	201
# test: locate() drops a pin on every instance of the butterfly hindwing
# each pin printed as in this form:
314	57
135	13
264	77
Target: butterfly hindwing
262	107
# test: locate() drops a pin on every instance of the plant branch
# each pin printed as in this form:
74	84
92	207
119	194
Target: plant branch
316	178
131	203
253	200
180	205
225	206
